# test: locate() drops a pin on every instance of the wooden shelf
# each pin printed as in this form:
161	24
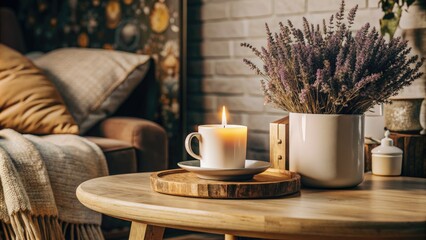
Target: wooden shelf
414	156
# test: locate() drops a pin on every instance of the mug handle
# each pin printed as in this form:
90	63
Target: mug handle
188	144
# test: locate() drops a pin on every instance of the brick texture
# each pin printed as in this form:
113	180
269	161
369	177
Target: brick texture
225	29
258	141
260	122
242	104
211	11
289	6
202	102
215	49
256	27
203	68
330	5
232	67
229	86
245	52
217	75
251	8
253	86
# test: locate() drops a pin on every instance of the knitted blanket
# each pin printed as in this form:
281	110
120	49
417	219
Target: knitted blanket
39	177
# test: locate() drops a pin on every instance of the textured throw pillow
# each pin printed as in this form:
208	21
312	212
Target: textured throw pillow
29	102
93	82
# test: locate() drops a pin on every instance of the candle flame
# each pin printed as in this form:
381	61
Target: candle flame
223	116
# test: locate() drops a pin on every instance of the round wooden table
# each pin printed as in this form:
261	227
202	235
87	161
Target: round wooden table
379	208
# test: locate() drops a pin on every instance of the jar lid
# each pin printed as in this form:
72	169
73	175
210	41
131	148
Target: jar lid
386	147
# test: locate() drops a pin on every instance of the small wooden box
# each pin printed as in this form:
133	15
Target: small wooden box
368	146
279	143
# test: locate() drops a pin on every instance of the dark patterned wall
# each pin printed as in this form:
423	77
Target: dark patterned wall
140	26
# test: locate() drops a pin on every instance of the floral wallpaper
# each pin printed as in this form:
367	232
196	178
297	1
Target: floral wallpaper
141	26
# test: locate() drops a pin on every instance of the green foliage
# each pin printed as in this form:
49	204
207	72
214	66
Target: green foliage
392	10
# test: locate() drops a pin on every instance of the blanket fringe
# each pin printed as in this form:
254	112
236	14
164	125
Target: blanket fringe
23	226
73	231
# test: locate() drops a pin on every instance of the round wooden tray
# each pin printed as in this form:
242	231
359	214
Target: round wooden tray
271	183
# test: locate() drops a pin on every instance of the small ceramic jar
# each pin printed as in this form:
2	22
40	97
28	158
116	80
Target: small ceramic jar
386	158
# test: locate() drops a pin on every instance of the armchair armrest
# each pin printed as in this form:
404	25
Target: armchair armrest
148	138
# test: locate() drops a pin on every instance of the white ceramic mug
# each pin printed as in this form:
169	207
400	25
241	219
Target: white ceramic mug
220	147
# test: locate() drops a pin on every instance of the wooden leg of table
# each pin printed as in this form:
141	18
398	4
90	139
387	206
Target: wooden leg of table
230	237
142	231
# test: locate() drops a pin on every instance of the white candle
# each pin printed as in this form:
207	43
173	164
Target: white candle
230	141
221	145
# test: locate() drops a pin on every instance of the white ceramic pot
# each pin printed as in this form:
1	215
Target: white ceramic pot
327	150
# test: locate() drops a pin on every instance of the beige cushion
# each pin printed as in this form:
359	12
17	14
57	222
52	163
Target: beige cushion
29	102
93	82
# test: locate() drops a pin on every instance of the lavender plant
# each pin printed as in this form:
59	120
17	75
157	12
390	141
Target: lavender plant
324	69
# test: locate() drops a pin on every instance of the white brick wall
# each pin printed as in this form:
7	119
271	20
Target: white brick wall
224	29
201	67
232	67
251	8
217	75
330	5
245	52
289	6
211	11
215	49
222	85
243	104
256	27
252	86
